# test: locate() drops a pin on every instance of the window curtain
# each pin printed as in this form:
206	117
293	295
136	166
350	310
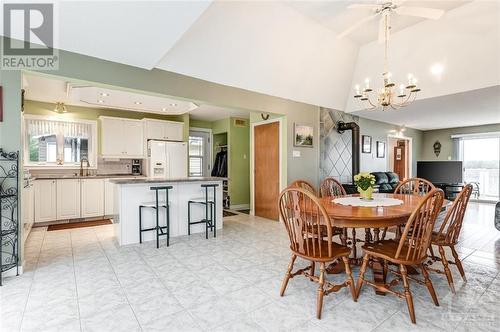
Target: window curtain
66	129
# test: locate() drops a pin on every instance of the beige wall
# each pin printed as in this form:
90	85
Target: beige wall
444	137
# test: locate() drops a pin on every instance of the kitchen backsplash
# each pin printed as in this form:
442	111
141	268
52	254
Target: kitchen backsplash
104	166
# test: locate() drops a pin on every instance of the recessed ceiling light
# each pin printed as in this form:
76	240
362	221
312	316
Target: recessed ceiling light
137	102
104	94
173	104
100	101
437	69
164	109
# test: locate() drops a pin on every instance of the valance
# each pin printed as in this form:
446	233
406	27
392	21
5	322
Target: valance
53	127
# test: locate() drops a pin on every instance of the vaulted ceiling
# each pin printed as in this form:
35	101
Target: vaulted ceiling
290	49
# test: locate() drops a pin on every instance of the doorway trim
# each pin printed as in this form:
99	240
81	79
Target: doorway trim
211	143
252	156
410	154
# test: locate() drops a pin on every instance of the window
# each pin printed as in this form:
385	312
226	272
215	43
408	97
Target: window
196	149
61	143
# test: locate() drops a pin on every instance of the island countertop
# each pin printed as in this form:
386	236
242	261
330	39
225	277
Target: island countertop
166	180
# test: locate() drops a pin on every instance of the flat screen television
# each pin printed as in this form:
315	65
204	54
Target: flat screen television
440	171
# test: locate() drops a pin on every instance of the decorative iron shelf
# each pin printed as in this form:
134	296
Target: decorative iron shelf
9	212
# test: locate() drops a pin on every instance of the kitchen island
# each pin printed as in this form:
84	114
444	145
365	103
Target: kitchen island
130	193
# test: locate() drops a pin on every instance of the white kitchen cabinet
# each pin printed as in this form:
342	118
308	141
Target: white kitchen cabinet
109	198
167	130
68	199
122	138
133	138
28	209
45	200
92	198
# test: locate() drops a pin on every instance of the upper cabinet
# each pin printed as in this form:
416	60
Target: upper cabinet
165	130
122	138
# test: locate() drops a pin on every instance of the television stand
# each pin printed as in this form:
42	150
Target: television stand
451	190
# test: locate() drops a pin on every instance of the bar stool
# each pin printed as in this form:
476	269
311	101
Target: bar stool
210	219
156	205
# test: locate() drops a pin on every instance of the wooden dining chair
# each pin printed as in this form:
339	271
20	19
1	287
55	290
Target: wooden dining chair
448	233
304	185
330	187
306	221
410	250
412	186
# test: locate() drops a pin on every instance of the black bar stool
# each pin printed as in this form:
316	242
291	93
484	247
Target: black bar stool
210	219
156	205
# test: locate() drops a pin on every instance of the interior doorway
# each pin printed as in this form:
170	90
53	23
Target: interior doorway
399	156
266	165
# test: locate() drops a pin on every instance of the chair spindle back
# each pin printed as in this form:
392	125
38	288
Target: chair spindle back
304	185
307	223
414	186
418	230
331	187
453	220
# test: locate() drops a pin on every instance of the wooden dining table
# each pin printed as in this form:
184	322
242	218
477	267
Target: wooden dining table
371	219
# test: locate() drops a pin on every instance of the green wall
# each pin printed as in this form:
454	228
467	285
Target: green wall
444	137
239	163
238	139
200	124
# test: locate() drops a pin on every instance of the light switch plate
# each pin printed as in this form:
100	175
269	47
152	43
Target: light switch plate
296	153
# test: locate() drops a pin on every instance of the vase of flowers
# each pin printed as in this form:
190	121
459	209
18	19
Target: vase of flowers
365	183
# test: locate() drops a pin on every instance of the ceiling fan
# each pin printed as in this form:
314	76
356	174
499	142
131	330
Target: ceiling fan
384	10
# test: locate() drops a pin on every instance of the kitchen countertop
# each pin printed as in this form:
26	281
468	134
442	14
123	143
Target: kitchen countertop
164	180
98	176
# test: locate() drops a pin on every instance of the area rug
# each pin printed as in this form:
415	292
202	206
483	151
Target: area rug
79	224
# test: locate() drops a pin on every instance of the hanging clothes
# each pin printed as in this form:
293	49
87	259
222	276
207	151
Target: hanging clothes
220	164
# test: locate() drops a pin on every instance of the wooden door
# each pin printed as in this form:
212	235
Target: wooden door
400	160
266	170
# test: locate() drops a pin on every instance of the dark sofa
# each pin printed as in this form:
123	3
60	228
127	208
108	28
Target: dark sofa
385	182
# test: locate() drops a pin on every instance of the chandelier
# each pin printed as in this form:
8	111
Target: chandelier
387	96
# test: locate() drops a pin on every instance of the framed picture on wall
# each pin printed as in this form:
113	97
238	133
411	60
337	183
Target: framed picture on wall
398	153
303	135
380	149
366	144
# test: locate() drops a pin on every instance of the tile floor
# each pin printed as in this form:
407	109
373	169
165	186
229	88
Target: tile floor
79	280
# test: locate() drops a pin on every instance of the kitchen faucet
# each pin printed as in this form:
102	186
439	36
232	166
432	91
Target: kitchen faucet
82	160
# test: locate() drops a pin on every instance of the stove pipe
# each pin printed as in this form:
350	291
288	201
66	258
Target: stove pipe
354	128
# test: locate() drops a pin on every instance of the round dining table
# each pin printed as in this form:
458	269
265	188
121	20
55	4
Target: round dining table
371	219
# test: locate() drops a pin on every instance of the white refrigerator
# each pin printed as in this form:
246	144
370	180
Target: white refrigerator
167	159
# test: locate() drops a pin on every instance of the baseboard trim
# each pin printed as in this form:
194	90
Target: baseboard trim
240	207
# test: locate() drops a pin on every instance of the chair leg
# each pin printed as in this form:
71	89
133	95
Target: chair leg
321	291
189	218
458	263
447	271
409	299
140	224
361	275
311	271
384	233
287	275
429	285
432	252
167	213
349	278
